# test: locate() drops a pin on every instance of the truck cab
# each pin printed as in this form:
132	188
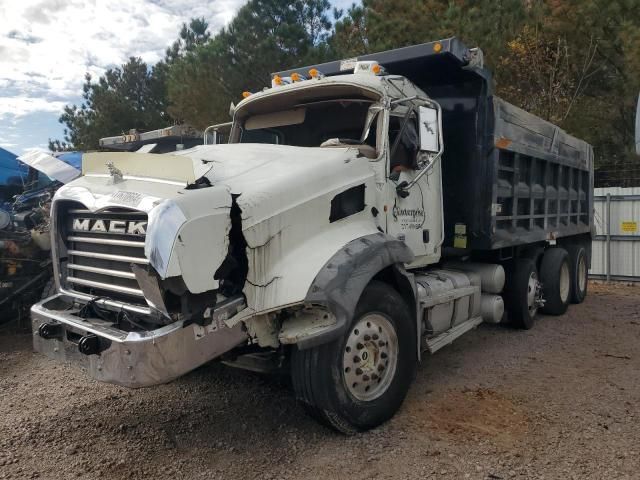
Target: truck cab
390	125
365	213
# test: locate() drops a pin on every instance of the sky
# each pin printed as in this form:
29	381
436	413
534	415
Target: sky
47	46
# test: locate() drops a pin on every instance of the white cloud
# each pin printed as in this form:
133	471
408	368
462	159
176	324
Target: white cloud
47	47
19	106
51	44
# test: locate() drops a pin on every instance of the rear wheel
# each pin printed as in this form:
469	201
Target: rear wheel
579	264
555	275
359	381
521	293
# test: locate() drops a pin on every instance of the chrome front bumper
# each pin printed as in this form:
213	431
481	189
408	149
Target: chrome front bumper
130	359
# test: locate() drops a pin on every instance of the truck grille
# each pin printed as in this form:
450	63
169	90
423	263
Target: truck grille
101	247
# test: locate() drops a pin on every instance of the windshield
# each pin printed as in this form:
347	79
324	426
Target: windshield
311	124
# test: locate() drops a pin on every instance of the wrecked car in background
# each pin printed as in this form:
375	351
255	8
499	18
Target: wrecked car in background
363	213
25	240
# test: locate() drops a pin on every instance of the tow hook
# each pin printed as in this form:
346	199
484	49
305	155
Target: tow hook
50	330
89	344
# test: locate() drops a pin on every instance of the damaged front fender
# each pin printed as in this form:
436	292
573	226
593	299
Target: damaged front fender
189	236
340	283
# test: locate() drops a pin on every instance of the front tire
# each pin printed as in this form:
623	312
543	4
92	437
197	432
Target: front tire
360	380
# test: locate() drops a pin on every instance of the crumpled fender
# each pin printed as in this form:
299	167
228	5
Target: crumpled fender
188	236
340	283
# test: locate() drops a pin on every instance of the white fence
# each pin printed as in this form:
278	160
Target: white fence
616	247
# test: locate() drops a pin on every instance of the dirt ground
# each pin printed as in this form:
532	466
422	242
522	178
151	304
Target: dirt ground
561	401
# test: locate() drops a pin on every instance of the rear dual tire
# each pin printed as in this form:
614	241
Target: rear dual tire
556	278
579	264
360	380
520	293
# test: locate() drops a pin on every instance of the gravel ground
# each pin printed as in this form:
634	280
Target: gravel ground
559	401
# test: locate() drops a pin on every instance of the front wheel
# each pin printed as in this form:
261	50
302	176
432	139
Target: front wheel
360	380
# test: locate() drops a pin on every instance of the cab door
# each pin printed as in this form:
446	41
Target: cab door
414	215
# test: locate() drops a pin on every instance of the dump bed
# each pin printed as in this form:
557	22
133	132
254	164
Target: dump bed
530	181
509	177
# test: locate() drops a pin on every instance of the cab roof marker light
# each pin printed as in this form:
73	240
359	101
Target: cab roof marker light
368	68
296	77
278	81
246	94
315	73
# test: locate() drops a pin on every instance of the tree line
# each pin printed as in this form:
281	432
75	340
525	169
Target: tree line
575	63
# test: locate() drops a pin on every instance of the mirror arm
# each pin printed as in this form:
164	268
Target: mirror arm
405	100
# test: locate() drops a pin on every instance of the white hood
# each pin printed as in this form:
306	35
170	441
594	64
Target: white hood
284	194
270	178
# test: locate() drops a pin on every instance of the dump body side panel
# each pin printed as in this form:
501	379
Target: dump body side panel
543	180
511	178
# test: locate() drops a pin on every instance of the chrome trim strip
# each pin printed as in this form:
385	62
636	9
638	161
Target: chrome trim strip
55	234
105	286
108	211
67	319
101	271
108	256
105	302
105	241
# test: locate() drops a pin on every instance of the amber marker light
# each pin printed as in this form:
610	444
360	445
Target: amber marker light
503	142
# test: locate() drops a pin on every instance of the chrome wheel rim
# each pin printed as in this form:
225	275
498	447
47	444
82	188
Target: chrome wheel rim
582	274
370	357
565	282
532	291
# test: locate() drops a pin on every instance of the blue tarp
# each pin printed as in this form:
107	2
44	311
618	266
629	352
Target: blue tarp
12	171
72	158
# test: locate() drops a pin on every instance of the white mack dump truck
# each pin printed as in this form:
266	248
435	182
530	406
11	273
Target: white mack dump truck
365	212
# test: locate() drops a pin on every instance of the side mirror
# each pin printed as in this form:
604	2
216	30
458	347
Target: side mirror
638	127
429	138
